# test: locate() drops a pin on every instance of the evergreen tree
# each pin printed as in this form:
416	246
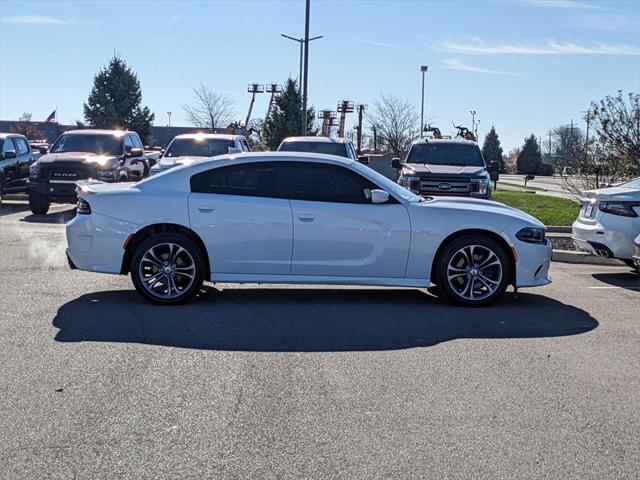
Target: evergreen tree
114	101
284	119
530	159
491	149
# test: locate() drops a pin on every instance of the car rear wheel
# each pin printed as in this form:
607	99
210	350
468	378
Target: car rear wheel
39	204
474	270
167	268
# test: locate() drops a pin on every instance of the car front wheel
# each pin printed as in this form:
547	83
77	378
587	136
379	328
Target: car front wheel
167	268
39	204
474	270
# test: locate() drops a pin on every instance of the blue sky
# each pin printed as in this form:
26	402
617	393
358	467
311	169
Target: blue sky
523	65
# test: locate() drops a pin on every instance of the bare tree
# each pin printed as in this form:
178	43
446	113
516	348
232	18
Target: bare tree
568	142
210	110
395	122
26	127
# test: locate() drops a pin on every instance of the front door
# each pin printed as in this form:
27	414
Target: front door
337	231
245	227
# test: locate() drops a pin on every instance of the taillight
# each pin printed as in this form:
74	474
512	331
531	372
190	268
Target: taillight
83	207
619	208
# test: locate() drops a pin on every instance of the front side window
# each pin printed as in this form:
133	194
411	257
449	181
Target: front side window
327	148
137	143
198	147
89	143
249	179
8	146
23	146
128	143
322	182
454	154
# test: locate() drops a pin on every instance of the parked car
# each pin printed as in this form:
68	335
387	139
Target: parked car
327	145
187	148
636	254
609	221
445	166
107	155
15	160
300	218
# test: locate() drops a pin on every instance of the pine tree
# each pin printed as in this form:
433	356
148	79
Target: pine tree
530	159
284	119
114	101
491	149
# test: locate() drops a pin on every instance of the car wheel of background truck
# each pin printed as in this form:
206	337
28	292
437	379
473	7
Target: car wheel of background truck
39	204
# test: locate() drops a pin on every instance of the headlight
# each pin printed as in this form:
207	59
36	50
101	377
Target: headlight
619	208
410	182
531	235
34	169
109	174
483	186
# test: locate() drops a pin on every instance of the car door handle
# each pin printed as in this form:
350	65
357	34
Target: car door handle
306	217
206	209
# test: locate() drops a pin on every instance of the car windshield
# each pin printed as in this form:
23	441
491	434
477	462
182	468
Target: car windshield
386	184
90	143
328	148
457	154
635	183
198	147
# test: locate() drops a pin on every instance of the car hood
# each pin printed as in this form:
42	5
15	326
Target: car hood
619	193
170	162
78	157
422	168
467	206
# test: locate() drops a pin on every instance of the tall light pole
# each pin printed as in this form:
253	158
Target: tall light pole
301	42
253	88
473	121
169	113
272	88
306	67
423	69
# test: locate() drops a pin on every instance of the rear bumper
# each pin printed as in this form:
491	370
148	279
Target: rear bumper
603	240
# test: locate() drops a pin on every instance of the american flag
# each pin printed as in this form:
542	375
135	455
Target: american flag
52	117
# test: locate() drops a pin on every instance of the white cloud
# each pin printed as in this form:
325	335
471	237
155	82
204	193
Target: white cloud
457	64
568	4
37	20
476	46
376	43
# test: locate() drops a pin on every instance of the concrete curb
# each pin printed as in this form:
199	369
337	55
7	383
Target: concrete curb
567	256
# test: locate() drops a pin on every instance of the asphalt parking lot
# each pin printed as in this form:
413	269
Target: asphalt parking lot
276	382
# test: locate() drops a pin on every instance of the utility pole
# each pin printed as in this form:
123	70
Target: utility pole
306	67
473	121
272	88
303	122
253	88
328	120
375	138
361	109
344	107
423	69
588	120
169	114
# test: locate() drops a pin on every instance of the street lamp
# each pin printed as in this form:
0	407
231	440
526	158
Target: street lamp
473	121
301	42
423	69
169	113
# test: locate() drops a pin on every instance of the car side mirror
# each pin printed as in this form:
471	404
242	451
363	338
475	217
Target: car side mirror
232	150
363	159
493	167
10	154
379	196
395	163
135	152
43	150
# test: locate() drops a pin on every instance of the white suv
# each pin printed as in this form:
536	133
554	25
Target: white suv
340	147
609	220
187	148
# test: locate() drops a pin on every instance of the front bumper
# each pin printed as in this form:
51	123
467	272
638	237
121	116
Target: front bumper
64	191
532	267
636	255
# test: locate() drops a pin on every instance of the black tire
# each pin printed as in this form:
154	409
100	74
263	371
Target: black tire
143	269
1	185
452	261
39	204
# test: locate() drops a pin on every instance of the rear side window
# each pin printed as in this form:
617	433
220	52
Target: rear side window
325	183
249	179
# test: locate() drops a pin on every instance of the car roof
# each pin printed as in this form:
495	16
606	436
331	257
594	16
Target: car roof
276	156
219	136
9	134
313	139
454	141
98	131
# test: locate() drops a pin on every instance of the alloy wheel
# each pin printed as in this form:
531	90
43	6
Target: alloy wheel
167	270
474	272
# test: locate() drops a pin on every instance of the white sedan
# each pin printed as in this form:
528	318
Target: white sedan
300	218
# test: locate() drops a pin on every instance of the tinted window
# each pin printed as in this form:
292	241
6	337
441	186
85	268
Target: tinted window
446	154
250	179
128	143
23	146
8	146
136	142
90	143
327	148
325	183
198	147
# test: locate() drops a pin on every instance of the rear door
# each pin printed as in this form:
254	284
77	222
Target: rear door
245	224
337	231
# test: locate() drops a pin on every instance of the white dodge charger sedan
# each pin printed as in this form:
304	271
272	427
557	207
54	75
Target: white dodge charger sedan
304	219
